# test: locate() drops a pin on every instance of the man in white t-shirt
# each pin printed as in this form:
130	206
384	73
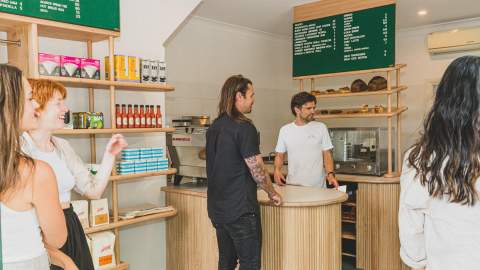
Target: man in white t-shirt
308	145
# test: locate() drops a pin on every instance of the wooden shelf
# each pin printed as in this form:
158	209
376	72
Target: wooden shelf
348	235
358	94
349	73
394	112
105	84
349	254
121	266
137	176
347	203
123	223
344	220
111	131
53	29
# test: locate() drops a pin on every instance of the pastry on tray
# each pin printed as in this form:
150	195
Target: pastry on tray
359	86
345	89
379	109
364	109
377	83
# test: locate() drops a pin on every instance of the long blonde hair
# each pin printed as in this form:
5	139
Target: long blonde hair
12	100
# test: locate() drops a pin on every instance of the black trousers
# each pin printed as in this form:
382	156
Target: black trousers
240	241
76	246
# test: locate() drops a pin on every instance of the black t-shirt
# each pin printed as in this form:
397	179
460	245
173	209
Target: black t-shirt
232	191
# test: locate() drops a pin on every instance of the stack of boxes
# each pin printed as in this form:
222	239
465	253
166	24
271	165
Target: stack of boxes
142	160
68	66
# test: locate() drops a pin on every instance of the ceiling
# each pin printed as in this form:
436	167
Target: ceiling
275	16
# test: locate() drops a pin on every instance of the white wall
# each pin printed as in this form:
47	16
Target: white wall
145	26
204	53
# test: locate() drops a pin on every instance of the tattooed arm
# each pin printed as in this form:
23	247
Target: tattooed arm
261	176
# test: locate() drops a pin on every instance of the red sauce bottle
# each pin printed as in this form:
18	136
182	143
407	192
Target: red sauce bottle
131	117
118	116
124	116
142	116
148	117
159	117
153	117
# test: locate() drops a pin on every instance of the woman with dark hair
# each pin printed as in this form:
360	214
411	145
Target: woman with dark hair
439	216
30	211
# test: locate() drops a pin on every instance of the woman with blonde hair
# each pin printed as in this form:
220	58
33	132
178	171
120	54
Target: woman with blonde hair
30	211
71	171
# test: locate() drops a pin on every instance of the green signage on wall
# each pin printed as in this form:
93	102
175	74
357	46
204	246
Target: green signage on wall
94	13
358	40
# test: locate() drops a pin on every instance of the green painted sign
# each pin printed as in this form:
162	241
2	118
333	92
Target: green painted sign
359	40
103	14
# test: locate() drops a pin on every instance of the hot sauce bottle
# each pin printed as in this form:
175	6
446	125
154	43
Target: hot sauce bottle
131	117
153	117
136	116
159	117
148	117
118	116
124	116
142	116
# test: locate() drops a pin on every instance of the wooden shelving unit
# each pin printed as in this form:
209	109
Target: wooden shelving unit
123	223
361	94
392	110
26	32
111	131
104	84
137	176
121	266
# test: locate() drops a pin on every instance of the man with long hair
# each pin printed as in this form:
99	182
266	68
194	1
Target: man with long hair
308	145
234	169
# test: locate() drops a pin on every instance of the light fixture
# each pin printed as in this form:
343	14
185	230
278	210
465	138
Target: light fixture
422	12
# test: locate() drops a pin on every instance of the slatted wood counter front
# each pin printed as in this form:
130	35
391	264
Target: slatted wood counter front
303	233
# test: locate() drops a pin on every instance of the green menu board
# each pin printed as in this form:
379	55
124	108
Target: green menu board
94	13
359	40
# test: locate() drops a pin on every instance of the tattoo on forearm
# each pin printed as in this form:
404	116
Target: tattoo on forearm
260	175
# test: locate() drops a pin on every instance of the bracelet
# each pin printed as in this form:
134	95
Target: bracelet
332	173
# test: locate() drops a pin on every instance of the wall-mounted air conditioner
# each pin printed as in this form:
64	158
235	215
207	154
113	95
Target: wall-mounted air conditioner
465	39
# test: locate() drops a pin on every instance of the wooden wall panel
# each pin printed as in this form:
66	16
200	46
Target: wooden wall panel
326	8
378	245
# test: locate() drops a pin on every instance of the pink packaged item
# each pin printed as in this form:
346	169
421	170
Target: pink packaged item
70	66
48	64
90	68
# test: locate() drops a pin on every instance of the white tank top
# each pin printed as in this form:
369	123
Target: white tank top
21	237
65	179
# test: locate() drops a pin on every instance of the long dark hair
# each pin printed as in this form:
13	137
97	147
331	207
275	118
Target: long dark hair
447	155
12	100
231	87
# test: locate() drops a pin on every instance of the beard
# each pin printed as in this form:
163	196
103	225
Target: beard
308	118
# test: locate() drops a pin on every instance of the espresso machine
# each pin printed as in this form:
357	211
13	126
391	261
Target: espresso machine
186	148
360	150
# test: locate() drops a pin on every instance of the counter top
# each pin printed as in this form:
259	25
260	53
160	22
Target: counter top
293	196
349	177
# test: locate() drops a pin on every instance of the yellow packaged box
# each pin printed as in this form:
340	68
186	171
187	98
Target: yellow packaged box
120	68
134	69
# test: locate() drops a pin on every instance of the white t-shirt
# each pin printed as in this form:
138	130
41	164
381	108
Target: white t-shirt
305	145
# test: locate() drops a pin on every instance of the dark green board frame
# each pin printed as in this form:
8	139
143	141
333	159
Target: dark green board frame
358	40
103	14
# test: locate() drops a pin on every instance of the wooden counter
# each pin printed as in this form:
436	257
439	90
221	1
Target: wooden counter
303	233
376	222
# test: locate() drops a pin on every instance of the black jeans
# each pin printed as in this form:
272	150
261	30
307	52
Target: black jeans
240	240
